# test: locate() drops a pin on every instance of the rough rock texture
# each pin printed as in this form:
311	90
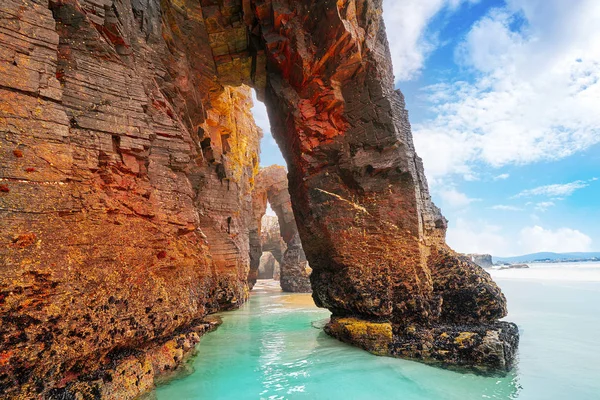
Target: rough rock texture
269	267
373	237
127	163
482	349
270	237
272	187
483	260
127	373
271	243
276	271
128	170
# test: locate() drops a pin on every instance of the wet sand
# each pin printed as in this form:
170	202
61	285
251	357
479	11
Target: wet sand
288	300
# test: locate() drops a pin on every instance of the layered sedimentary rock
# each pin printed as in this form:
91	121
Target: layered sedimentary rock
271	243
272	187
126	171
127	163
270	237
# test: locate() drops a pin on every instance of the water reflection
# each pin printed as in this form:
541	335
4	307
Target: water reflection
270	350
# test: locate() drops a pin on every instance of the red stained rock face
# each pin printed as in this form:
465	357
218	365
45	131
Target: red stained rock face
128	157
373	237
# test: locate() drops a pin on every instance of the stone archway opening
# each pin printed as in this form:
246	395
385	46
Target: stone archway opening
276	234
273	246
269	268
274	238
360	196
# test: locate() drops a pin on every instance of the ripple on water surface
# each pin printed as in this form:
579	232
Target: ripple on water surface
273	348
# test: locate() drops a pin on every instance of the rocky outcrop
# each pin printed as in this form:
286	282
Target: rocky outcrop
270	237
269	267
272	187
128	158
127	373
514	266
483	260
126	172
373	237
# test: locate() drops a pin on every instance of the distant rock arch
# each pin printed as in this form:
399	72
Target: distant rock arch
271	186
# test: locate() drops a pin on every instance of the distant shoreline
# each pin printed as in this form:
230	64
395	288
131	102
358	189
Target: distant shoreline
547	261
549	257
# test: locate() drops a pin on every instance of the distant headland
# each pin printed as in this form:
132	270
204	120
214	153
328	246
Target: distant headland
549	257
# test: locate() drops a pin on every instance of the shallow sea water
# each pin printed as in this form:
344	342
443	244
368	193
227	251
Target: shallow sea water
273	348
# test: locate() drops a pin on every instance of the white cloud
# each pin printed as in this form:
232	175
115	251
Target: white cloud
506	208
534	95
535	239
544	205
558	189
483	237
406	24
501	177
455	199
479	237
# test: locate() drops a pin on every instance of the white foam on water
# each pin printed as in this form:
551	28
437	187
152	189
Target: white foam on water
564	272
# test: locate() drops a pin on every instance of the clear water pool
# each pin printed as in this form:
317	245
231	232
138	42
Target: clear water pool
272	348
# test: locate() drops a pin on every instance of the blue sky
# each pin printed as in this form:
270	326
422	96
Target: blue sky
504	100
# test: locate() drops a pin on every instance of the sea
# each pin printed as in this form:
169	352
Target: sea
274	348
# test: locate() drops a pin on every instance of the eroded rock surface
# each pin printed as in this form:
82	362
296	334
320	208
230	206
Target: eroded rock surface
272	187
268	267
128	171
127	163
371	233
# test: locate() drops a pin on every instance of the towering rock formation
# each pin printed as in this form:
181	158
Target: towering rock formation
272	186
373	237
126	173
127	164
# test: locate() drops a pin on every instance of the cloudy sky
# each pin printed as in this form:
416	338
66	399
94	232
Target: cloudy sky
504	100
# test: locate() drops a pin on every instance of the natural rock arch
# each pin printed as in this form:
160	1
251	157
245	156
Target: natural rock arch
269	267
128	157
272	186
371	233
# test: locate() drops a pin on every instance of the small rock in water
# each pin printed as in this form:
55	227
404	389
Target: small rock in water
514	266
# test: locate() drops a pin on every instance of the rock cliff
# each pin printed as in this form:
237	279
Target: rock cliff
128	158
483	260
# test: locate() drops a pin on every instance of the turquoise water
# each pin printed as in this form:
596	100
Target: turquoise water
271	349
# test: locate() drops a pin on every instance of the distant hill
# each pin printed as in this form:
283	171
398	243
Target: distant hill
548	256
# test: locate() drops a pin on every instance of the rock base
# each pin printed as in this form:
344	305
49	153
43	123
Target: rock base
481	349
128	374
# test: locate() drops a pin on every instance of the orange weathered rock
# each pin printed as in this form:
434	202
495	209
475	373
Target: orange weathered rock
117	230
135	116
